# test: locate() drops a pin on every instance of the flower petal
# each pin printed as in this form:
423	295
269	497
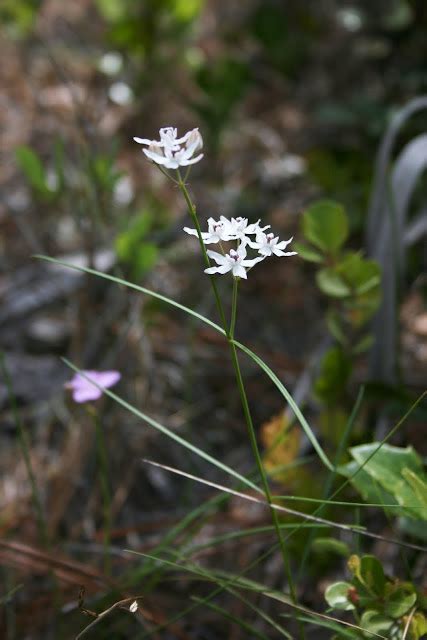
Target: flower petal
85	394
239	271
224	268
144	141
218	257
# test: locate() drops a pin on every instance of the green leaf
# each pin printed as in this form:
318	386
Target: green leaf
31	165
372	574
418	485
368	488
336	595
394	469
330	546
400	601
360	274
308	253
325	225
375	622
332	284
387	463
418	626
145	259
335	326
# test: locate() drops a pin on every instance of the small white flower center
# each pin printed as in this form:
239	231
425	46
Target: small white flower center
234	255
269	237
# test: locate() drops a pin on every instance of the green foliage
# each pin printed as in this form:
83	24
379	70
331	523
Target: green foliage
352	286
104	172
18	17
335	371
381	604
394	473
223	82
140	27
325	225
34	171
132	248
330	546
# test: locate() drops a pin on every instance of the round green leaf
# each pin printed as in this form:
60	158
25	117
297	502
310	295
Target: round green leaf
336	595
325	225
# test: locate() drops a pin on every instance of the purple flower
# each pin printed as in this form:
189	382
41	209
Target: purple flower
84	389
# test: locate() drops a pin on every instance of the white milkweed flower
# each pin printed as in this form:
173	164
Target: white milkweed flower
240	228
218	231
225	230
172	152
235	261
267	245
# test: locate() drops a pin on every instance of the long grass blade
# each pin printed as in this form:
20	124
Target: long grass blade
167	432
304	424
294	512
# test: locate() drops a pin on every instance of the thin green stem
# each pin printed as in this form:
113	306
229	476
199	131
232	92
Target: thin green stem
25	450
193	214
234	307
261	470
101	452
242	392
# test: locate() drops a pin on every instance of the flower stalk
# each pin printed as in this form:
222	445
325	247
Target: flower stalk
241	387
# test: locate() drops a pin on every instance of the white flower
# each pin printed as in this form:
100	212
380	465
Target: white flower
235	261
218	231
172	152
239	228
225	230
267	245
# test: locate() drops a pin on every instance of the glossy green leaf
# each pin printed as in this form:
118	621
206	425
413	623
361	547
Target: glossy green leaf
336	595
325	225
400	601
376	622
369	489
387	463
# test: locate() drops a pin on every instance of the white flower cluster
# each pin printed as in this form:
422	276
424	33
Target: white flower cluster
172	152
238	229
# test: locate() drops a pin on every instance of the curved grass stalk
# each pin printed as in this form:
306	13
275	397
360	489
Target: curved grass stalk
170	434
